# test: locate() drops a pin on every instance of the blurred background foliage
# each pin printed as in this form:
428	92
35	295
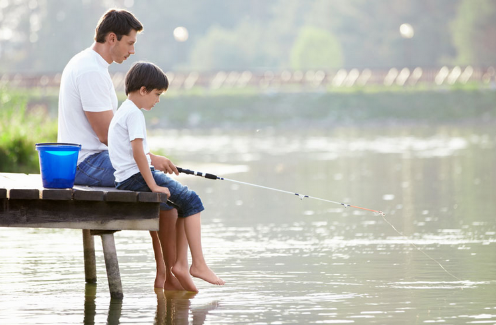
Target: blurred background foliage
21	127
40	36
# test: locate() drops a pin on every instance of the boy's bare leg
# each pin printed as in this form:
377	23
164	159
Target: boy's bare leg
180	269
199	267
159	260
167	236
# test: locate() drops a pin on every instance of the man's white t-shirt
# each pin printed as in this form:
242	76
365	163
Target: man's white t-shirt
127	124
85	86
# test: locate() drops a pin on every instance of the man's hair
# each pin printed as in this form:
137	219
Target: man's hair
145	74
118	21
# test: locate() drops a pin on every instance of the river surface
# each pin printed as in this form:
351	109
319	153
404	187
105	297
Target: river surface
287	260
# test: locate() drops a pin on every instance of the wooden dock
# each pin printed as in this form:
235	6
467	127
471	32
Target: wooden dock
96	210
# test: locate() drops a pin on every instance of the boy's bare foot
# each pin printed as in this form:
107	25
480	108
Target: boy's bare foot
205	273
184	278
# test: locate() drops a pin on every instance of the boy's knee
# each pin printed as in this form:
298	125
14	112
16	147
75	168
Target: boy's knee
191	203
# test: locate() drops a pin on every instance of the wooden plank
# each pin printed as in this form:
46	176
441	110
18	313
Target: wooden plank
3	193
97	188
22	213
121	196
24	194
17	180
152	197
88	195
56	194
99	232
4	204
129	224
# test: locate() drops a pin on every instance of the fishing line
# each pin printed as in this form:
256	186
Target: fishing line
417	248
302	196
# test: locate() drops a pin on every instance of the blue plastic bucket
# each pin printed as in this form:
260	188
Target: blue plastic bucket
58	163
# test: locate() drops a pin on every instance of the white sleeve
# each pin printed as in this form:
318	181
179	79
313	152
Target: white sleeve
136	125
94	91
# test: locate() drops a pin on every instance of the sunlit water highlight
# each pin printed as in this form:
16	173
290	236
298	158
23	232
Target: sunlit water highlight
292	261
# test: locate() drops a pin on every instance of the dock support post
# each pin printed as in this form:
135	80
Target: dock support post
89	257
112	265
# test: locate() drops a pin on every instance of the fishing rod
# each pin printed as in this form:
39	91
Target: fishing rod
301	196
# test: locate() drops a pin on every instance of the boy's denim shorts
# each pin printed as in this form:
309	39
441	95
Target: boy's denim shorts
96	170
186	201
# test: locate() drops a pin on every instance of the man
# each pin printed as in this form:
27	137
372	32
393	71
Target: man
87	102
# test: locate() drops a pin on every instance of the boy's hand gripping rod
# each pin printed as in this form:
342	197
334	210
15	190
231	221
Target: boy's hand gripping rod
301	196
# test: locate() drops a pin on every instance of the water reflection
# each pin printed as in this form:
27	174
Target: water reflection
173	307
114	310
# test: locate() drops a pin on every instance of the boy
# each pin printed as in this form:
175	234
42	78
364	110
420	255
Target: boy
129	154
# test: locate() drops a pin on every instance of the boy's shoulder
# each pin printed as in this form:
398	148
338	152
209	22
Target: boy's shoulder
128	108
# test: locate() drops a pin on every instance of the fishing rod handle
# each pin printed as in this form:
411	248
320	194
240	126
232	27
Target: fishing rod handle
192	172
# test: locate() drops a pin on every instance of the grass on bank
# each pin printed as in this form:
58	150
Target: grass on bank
21	127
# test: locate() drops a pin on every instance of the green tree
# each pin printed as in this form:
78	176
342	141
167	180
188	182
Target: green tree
369	30
222	48
316	48
474	32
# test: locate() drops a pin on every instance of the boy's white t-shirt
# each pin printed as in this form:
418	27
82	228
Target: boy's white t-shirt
127	124
85	86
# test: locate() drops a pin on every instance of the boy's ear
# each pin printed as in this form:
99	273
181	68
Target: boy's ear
143	91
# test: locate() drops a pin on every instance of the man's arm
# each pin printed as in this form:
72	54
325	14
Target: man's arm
100	122
164	164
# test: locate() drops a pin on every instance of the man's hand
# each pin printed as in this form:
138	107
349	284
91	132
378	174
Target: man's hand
164	164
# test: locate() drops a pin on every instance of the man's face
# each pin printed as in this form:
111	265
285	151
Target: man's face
121	50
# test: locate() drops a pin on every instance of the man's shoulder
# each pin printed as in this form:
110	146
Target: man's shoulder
84	62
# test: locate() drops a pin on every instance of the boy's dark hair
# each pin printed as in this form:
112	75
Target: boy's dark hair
145	74
118	21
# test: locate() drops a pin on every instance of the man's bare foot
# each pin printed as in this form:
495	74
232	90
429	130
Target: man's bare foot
205	273
181	274
172	283
159	292
159	280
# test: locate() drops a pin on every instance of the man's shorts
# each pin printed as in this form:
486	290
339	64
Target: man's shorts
96	170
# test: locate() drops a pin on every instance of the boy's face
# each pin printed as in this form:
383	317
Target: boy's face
151	98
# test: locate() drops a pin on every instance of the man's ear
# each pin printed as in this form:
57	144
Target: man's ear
111	37
143	91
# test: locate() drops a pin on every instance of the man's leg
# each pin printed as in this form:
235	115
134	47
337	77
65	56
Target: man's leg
159	260
167	237
96	170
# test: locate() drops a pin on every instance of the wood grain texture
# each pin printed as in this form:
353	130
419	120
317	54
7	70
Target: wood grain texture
24	194
25	212
56	194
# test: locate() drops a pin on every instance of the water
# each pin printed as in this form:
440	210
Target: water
292	261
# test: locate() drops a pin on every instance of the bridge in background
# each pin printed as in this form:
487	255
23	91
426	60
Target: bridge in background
288	80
